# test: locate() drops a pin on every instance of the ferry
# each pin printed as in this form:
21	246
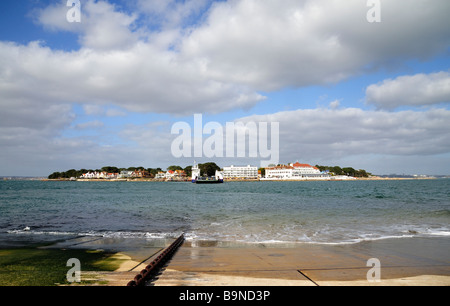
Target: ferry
208	180
198	179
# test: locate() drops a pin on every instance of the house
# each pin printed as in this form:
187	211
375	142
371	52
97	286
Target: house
170	174
140	173
179	174
125	174
89	175
160	175
112	176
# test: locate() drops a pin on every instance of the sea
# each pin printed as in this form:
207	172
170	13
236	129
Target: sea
269	212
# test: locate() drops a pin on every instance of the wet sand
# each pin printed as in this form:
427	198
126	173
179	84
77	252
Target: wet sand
404	262
414	261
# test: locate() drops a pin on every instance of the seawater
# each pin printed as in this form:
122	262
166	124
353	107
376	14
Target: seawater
323	212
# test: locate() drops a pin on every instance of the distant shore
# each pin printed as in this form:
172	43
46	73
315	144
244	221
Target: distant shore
374	178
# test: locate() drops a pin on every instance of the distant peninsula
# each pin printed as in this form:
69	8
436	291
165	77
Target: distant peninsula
112	172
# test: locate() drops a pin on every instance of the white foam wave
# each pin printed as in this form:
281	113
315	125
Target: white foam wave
260	238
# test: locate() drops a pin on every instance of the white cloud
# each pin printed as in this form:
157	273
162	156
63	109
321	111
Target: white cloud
139	79
270	45
335	104
321	134
103	27
242	48
415	90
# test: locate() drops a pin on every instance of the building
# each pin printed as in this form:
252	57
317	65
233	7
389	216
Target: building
240	172
99	175
304	170
195	172
279	172
89	175
126	174
140	173
295	171
180	174
160	175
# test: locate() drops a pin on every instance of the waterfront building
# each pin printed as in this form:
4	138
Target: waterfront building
240	172
195	172
295	171
160	175
126	174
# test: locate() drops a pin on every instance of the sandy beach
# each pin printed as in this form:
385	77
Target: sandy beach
404	262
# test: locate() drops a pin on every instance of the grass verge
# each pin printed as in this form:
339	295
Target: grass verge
48	267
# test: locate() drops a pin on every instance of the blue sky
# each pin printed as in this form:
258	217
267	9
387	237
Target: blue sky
107	90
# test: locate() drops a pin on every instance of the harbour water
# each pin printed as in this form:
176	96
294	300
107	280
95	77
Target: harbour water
317	212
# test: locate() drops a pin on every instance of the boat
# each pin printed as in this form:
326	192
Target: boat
198	179
208	180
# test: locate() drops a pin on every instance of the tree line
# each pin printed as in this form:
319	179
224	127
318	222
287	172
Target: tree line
349	171
208	169
109	169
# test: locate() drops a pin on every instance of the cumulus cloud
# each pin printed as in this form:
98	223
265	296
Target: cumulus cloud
314	134
270	45
103	27
239	49
411	90
139	79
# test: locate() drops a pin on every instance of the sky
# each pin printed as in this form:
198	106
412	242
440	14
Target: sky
355	83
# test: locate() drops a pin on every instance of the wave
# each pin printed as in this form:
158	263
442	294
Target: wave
197	236
105	234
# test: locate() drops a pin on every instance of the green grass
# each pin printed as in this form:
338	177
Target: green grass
48	267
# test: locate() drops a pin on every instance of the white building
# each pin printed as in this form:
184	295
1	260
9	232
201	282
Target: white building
125	174
195	172
89	175
160	175
244	172
295	171
279	172
98	175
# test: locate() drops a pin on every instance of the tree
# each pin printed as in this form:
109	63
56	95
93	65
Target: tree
349	171
54	176
361	173
70	173
263	171
208	169
110	169
174	168
337	170
188	171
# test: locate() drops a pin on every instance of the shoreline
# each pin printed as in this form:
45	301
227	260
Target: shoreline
411	261
249	180
416	261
